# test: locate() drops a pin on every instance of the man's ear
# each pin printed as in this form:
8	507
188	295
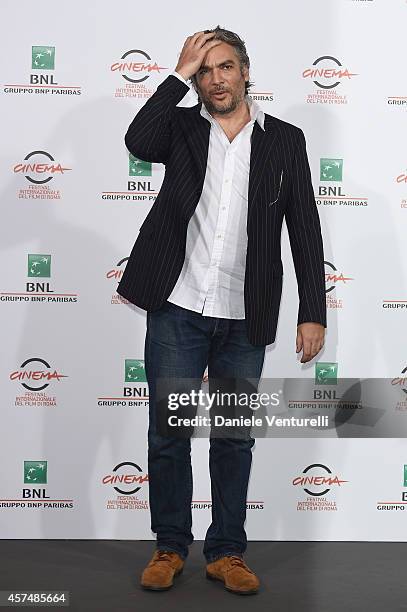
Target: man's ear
245	72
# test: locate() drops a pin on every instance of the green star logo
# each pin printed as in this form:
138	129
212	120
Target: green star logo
330	169
138	167
35	472
43	58
326	373
134	371
39	266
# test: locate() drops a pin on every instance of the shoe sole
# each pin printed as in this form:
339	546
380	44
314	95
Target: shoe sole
237	592
158	588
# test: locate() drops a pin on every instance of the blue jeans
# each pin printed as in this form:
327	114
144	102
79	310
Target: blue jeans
181	343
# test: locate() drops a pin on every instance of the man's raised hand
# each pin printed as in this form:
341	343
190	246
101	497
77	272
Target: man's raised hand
192	54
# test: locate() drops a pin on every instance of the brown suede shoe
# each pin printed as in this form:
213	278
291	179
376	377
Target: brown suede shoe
235	575
159	573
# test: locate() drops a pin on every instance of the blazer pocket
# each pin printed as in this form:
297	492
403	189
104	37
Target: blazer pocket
148	228
277	191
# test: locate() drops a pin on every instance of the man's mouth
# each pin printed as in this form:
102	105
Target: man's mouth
219	94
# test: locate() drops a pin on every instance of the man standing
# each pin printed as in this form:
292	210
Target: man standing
207	268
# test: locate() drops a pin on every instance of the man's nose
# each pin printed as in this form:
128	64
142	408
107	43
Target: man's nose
217	76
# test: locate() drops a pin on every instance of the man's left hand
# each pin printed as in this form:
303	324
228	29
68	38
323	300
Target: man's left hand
310	338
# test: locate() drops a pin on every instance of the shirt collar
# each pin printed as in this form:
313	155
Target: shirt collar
256	112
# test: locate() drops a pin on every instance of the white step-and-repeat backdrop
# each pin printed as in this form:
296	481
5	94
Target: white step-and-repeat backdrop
73	450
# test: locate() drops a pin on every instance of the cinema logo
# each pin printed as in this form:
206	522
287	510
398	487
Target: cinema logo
39	168
42	79
128	480
396	506
318	482
135	389
140	184
38	267
400	382
329	76
137	68
34	494
333	279
331	191
401	180
35	375
115	275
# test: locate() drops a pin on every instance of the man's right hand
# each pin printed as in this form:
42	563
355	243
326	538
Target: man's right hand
192	54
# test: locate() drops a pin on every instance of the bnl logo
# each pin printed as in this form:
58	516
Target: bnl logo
135	374
134	371
39	266
330	170
42	58
139	167
326	373
35	473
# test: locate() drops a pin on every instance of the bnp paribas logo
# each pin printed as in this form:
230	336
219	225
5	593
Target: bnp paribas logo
39	265
138	167
35	472
134	371
330	169
326	373
43	58
405	475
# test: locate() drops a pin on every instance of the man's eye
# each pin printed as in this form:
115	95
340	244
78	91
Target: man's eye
228	66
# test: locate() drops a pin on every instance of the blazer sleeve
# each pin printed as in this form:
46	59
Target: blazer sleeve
304	231
148	136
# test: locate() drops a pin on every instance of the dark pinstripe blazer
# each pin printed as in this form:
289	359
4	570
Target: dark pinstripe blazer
279	185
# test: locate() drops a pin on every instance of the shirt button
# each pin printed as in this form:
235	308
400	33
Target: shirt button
223	207
219	235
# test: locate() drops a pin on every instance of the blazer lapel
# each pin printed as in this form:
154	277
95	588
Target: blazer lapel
260	156
197	130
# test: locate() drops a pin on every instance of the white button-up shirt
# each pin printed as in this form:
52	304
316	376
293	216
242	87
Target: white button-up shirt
211	281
